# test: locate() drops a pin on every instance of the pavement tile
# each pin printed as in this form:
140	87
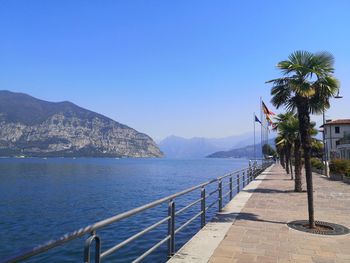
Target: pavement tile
260	233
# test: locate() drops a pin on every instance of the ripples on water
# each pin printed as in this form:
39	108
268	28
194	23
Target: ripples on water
42	199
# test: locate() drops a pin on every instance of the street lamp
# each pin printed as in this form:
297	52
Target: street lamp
325	146
338	96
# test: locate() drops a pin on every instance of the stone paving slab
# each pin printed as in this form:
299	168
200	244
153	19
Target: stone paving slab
260	234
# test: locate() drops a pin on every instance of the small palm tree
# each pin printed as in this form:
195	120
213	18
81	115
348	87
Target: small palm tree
307	86
280	151
284	138
283	152
288	126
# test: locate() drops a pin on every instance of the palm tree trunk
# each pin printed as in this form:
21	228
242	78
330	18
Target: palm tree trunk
291	167
298	185
287	159
304	126
282	155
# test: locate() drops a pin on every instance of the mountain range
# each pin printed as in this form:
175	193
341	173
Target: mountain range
242	152
198	147
34	127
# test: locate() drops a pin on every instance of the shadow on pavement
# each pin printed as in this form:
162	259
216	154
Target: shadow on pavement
231	217
271	191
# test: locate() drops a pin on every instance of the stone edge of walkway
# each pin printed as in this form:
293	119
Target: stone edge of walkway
202	245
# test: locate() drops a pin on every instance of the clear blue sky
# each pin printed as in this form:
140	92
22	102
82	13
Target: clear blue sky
190	68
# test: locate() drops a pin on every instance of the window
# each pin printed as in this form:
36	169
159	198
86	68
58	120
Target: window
337	129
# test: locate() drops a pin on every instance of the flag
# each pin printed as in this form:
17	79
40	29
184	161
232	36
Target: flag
268	119
266	110
257	120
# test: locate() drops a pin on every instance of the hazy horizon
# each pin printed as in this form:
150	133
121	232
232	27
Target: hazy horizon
193	69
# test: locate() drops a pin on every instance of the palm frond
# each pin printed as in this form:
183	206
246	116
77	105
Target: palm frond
307	75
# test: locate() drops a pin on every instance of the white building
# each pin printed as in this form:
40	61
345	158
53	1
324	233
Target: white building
337	136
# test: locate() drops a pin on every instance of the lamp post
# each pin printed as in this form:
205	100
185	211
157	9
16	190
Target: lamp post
325	146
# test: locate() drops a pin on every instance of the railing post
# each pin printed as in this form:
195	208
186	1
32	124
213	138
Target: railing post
87	246
220	195
238	183
253	174
243	179
255	169
231	186
250	171
203	215
171	228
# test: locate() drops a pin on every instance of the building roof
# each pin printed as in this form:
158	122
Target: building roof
337	122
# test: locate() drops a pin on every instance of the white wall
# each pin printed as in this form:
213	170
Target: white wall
332	137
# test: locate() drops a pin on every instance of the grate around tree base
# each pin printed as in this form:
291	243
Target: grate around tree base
322	228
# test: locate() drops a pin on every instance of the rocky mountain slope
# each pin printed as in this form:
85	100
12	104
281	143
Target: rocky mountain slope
33	127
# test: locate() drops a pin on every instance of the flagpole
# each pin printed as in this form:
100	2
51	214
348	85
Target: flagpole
261	130
268	131
254	136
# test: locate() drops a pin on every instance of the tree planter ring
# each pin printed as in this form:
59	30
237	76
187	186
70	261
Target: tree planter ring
322	228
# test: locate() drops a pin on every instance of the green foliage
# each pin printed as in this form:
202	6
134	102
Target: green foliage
287	125
305	75
317	163
316	148
339	166
268	150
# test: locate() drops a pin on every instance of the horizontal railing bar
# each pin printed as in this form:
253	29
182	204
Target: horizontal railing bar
132	238
213	192
213	203
226	184
188	206
232	173
188	222
226	194
240	177
151	249
46	246
90	228
73	235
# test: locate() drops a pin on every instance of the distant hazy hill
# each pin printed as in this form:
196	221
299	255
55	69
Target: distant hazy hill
242	152
178	147
33	127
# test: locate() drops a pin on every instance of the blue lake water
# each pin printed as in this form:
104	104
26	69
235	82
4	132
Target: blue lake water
42	199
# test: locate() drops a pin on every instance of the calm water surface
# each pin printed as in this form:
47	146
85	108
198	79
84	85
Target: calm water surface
42	199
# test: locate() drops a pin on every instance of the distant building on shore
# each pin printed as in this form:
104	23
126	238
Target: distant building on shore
337	136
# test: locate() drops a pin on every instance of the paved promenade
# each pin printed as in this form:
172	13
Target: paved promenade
260	234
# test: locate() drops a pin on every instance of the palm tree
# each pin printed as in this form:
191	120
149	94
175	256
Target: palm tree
307	86
280	151
283	140
288	126
284	153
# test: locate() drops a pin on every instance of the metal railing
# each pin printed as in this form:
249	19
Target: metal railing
242	178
